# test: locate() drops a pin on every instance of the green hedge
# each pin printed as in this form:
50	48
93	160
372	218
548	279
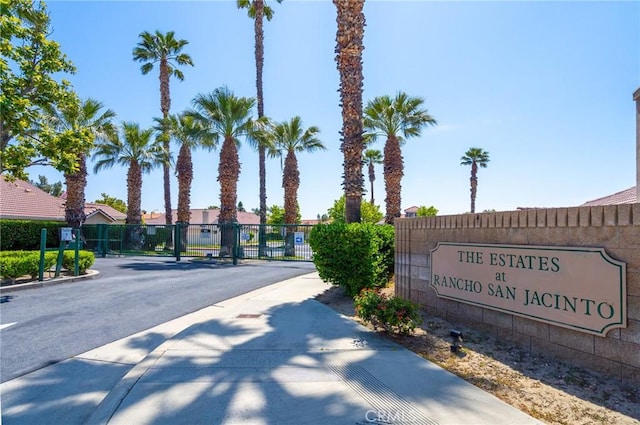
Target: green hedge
354	256
25	234
14	264
85	260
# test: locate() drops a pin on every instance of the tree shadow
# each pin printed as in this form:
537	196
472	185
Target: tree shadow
297	363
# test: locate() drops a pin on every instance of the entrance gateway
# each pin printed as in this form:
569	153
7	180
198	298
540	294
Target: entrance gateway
580	288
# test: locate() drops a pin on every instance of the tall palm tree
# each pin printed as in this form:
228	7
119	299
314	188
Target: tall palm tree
475	157
291	137
397	119
166	50
89	121
372	157
221	114
258	10
138	151
349	47
183	129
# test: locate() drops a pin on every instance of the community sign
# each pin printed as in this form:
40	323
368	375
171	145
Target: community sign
580	288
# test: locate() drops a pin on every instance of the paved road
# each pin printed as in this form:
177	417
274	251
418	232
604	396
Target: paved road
46	325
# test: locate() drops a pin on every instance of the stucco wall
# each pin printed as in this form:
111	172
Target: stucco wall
613	227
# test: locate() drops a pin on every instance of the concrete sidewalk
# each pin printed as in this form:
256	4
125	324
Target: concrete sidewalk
272	356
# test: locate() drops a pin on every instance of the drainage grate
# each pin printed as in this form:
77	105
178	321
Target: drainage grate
248	316
388	407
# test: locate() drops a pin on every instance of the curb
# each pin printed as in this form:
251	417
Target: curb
90	274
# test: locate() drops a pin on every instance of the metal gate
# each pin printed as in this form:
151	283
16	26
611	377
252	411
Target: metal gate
234	241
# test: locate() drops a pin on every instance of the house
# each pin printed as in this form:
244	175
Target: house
102	214
201	216
20	200
411	212
627	196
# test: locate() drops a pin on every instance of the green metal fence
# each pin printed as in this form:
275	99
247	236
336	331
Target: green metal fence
235	241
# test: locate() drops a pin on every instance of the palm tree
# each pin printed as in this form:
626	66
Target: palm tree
165	49
188	134
475	157
183	129
372	157
258	10
349	46
291	137
137	150
85	120
397	119
221	114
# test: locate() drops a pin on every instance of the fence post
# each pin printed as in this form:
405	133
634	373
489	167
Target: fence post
236	238
43	248
176	240
76	265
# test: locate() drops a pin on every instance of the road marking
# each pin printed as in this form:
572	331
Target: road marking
6	325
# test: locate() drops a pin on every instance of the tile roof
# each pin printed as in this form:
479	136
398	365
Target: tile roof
22	200
203	216
627	196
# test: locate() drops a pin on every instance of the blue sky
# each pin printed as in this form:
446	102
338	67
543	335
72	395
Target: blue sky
545	87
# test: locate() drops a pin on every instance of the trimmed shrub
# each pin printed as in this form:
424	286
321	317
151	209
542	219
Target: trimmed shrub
14	264
353	256
394	314
25	234
85	260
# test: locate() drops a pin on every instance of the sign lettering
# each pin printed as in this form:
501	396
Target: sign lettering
579	288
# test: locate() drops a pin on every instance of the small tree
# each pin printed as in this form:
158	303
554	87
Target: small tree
427	211
368	213
275	215
113	202
54	189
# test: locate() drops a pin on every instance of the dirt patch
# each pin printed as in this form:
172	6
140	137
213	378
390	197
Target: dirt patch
545	388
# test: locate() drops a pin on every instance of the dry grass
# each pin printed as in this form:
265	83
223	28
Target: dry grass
549	390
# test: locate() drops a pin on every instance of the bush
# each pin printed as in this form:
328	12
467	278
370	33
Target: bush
25	234
353	256
14	264
391	313
85	260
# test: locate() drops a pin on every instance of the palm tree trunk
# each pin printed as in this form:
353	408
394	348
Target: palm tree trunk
134	193
258	6
350	21
290	183
228	174
474	185
474	189
393	172
165	106
184	169
372	177
76	183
